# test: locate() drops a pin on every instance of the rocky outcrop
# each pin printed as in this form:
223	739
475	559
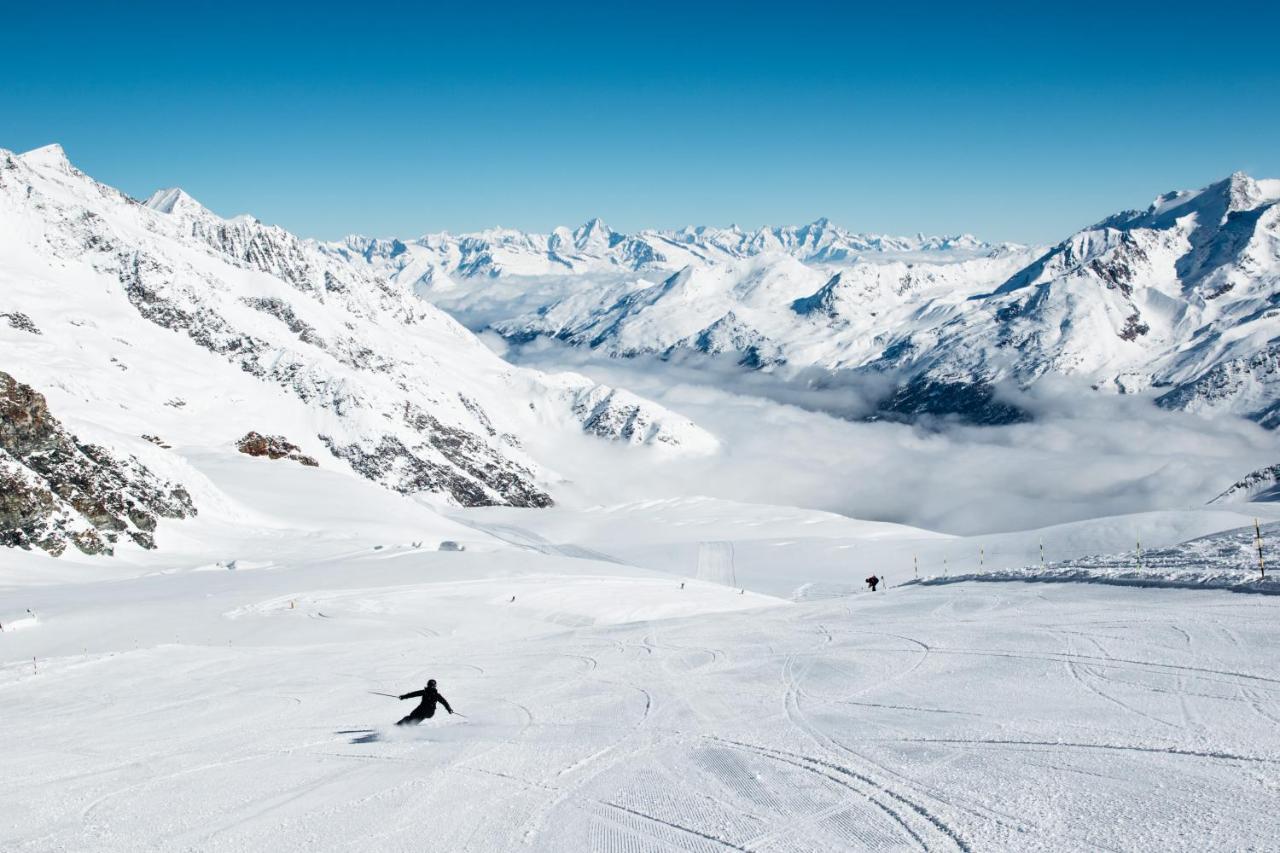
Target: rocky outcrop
1260	485
1252	382
274	447
20	321
390	462
55	490
617	414
821	302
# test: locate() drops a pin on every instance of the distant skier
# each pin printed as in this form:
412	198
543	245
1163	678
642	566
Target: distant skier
427	707
873	582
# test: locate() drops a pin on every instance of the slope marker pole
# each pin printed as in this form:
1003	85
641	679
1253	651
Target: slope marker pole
1042	551
1257	535
915	561
1139	554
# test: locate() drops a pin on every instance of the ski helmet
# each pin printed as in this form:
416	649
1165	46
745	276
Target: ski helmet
431	682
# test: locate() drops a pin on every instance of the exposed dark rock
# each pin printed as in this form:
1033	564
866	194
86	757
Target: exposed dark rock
1228	379
1118	268
30	514
478	412
969	401
281	310
274	447
474	458
55	490
402	468
609	418
821	302
1133	327
21	322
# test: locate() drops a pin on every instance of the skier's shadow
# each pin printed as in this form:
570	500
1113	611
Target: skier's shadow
364	735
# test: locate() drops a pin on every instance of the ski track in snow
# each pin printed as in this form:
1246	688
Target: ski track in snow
962	717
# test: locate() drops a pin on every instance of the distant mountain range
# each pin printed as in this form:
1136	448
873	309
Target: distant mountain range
1178	300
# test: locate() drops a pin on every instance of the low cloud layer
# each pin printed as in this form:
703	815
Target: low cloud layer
791	440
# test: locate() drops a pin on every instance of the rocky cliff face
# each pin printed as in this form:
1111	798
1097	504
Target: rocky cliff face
56	490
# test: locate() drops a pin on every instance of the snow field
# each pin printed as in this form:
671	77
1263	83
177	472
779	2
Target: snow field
199	710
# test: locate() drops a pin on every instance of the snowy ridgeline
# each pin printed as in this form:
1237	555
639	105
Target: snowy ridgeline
1179	299
1260	485
1229	560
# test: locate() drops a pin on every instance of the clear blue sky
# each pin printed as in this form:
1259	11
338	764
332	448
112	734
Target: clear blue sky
1006	120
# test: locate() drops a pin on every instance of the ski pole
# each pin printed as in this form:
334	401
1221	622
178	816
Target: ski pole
390	695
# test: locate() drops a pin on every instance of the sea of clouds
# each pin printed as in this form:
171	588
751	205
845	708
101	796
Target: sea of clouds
799	439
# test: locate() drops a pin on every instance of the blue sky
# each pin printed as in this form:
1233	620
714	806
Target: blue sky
395	119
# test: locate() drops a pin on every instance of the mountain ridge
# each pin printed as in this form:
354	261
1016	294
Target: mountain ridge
157	325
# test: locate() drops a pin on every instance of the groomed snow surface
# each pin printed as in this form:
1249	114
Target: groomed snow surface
200	707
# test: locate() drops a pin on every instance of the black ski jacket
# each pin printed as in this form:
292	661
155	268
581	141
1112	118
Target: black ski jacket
427	707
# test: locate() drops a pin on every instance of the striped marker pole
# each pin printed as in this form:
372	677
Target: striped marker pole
1257	535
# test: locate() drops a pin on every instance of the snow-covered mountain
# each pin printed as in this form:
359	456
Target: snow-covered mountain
1179	300
159	324
596	248
1260	485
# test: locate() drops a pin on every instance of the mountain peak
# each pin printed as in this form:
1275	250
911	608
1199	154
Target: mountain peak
173	200
594	225
593	235
48	156
1243	192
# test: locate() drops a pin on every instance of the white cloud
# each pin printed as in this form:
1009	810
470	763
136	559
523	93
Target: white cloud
794	440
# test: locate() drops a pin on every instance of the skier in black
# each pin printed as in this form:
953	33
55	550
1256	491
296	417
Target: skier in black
427	707
872	582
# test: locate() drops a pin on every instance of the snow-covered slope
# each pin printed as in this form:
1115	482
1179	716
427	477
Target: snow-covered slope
1179	300
1231	559
227	711
164	320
